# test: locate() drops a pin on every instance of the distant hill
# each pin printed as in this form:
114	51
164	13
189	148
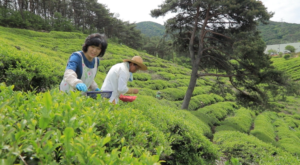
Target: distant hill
272	33
151	29
277	32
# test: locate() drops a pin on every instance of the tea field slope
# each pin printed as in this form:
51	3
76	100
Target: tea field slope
54	128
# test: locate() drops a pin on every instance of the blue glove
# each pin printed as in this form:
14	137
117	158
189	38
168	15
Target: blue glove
97	89
81	87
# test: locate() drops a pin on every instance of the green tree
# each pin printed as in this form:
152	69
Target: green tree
272	51
290	48
221	36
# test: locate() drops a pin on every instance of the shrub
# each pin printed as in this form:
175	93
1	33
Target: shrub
218	111
241	121
173	94
56	128
286	56
251	150
263	128
30	71
142	76
287	139
184	131
203	100
166	76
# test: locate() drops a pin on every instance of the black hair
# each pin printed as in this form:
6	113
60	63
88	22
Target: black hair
95	39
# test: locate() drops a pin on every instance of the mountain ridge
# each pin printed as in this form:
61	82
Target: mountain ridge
272	33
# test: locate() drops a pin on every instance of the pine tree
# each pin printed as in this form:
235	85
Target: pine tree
221	35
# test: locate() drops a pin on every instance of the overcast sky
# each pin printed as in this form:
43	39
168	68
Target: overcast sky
139	10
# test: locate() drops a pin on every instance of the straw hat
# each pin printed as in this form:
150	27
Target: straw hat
137	60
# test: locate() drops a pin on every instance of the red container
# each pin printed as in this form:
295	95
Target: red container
127	98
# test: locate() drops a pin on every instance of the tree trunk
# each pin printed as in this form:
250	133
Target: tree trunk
195	64
189	91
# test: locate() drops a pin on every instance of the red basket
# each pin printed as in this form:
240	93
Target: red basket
127	98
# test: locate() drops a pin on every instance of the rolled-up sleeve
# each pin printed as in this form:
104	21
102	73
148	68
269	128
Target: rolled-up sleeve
71	78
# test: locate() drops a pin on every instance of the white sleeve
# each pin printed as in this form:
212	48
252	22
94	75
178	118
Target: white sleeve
122	82
71	78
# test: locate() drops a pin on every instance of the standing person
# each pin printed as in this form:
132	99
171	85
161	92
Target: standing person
118	76
82	65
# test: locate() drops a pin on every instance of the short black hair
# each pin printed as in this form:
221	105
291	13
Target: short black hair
95	39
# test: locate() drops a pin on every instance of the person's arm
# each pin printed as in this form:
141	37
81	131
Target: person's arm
132	91
70	75
71	78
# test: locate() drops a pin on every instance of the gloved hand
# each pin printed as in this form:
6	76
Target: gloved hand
132	91
81	87
97	89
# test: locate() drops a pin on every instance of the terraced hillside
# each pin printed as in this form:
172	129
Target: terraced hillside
54	128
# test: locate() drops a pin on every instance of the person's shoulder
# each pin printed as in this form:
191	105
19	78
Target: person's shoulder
75	56
117	65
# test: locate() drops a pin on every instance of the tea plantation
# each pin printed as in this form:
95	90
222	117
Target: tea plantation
41	125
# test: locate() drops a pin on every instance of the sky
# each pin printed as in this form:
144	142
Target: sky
136	11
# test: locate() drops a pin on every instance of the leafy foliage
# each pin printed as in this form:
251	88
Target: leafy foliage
290	48
213	43
31	72
250	149
263	128
241	121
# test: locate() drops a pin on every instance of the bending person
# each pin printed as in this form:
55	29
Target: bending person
118	76
82	65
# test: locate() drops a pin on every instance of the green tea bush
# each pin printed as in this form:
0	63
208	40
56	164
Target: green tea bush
159	84
67	35
139	84
175	70
286	56
181	76
147	92
203	100
155	69
199	90
251	150
287	139
166	76
142	76
180	82
107	64
217	112
56	128
277	107
241	121
291	122
173	94
207	119
184	131
27	71
291	66
263	128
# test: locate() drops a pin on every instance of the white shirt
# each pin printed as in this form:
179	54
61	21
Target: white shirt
116	81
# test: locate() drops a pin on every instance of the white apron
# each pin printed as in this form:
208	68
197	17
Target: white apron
87	77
